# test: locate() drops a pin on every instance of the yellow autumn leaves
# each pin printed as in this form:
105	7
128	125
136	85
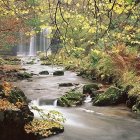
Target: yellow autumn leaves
7	87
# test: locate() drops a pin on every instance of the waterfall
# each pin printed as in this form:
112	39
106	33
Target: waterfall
88	99
39	42
32	48
55	103
45	40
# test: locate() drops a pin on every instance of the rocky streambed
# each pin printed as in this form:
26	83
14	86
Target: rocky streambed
84	122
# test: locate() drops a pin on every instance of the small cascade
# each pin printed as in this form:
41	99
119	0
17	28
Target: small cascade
55	103
32	49
88	99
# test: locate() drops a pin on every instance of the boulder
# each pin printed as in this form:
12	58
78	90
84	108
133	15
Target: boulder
44	73
70	99
111	96
58	73
91	89
13	120
65	84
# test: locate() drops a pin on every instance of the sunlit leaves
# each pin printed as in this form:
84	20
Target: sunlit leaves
6	105
129	1
42	128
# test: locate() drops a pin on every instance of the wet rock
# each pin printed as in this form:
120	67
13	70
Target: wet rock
58	73
44	73
70	99
30	80
65	84
111	96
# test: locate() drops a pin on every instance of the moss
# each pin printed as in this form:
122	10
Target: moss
72	98
24	75
111	96
17	95
90	88
43	128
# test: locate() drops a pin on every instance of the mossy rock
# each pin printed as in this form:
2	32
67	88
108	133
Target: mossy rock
44	73
136	106
31	62
65	84
72	98
90	88
24	75
44	128
58	73
111	96
134	98
135	109
17	95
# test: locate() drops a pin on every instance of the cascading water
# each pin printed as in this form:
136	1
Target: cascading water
39	42
88	99
32	49
20	47
55	103
45	40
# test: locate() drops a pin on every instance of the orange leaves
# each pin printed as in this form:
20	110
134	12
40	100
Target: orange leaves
5	105
19	104
7	87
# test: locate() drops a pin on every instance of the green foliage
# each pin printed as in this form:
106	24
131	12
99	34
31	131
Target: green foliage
129	1
135	91
129	78
24	75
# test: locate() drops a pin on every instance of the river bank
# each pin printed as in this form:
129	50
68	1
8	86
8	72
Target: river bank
83	122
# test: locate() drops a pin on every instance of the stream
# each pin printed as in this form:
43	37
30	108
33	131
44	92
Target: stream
85	122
